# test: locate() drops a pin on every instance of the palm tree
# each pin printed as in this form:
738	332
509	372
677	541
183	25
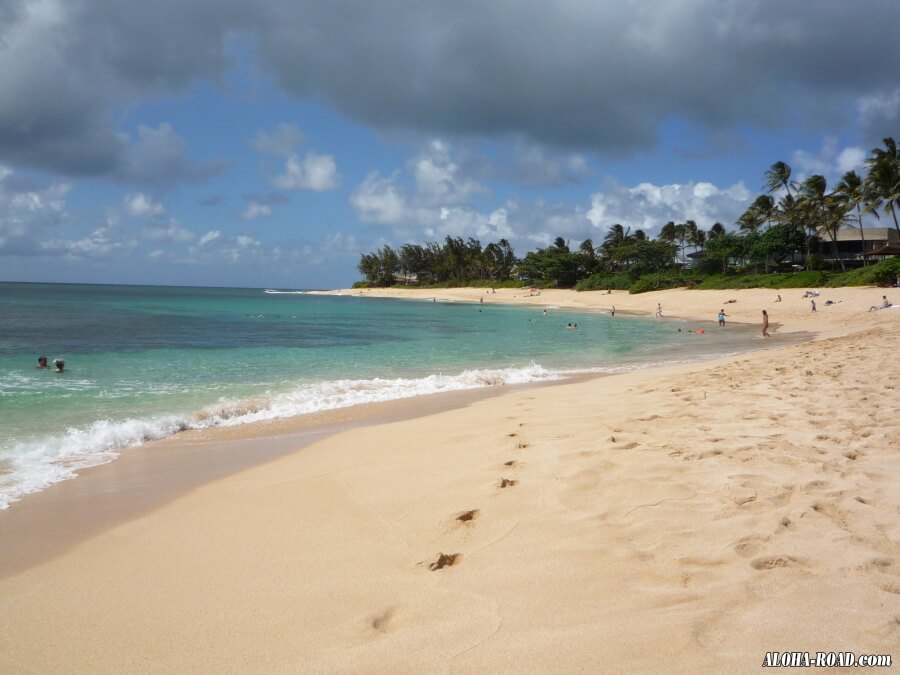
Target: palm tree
754	217
717	230
809	207
882	183
779	177
836	214
850	190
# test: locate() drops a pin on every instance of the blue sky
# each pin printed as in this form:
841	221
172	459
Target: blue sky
270	143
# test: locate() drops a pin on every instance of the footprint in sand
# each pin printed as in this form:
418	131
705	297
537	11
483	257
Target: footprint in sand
466	517
511	463
521	446
772	562
508	482
445	560
382	621
751	545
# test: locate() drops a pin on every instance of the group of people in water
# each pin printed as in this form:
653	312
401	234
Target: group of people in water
59	365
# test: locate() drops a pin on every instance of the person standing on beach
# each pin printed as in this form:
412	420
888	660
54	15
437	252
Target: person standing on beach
613	313
765	329
722	316
813	303
658	310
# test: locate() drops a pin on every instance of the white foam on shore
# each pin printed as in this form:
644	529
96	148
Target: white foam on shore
35	465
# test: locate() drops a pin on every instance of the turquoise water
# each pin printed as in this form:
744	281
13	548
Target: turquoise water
145	362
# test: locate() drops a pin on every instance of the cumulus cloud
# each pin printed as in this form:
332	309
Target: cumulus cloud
210	236
140	205
831	161
101	242
586	76
434	196
172	231
30	213
648	207
260	205
256	210
314	172
433	188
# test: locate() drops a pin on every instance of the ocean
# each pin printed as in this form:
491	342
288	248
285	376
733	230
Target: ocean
144	362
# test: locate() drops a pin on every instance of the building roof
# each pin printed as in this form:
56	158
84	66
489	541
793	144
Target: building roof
873	234
887	249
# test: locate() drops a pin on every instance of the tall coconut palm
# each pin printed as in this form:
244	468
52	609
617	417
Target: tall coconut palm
882	183
717	230
779	177
756	214
835	214
851	191
809	208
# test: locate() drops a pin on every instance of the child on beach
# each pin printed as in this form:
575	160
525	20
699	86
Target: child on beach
765	327
721	317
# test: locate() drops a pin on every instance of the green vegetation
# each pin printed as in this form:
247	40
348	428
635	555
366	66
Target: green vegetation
771	239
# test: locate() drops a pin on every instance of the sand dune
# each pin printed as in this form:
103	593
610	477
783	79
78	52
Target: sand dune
685	519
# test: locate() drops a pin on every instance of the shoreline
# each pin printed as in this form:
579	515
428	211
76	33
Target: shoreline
157	432
744	460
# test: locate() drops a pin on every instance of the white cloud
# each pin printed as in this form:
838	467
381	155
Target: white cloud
438	179
170	231
209	237
256	210
244	241
29	213
142	206
648	207
831	161
432	196
313	172
102	242
379	199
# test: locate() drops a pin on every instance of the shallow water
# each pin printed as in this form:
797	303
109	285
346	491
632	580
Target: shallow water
144	362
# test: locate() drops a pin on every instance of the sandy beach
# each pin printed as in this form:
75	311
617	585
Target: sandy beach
689	518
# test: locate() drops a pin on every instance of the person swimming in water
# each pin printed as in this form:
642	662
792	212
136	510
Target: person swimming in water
60	365
42	362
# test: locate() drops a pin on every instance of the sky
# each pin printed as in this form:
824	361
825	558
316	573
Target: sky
268	143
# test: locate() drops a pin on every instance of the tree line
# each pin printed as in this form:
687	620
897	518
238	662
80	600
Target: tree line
805	215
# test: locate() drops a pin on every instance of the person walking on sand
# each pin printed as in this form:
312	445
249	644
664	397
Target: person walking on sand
721	317
765	328
813	304
613	313
658	310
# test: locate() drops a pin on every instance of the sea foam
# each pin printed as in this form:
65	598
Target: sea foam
35	465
